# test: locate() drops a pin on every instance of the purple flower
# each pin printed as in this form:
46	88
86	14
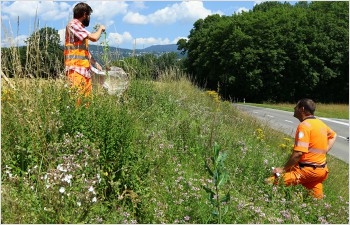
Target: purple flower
187	218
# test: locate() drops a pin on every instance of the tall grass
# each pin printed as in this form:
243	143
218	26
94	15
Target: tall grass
140	159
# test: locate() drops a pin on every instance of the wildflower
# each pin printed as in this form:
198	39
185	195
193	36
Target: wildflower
303	205
91	189
327	206
62	190
176	221
47	186
279	220
94	199
126	214
79	204
67	178
187	218
161	145
266	161
60	168
285	214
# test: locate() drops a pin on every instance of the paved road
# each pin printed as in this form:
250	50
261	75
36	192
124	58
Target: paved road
285	122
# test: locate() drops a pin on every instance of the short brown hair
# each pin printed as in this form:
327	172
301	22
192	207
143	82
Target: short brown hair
81	8
308	104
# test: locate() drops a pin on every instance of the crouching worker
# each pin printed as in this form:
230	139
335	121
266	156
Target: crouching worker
307	164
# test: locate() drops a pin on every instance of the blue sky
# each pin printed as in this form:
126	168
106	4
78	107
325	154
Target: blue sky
146	22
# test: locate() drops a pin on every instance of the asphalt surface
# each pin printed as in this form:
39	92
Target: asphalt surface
285	122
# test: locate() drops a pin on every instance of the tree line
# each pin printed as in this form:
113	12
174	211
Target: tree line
276	52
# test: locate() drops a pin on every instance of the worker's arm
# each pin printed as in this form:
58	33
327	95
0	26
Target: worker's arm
95	36
293	159
331	142
94	62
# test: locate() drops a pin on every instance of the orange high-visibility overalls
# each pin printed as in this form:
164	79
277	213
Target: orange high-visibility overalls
311	138
76	57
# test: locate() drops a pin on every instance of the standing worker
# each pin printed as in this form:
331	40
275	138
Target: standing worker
313	139
77	58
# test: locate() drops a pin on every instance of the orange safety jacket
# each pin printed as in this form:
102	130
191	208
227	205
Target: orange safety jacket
311	138
76	55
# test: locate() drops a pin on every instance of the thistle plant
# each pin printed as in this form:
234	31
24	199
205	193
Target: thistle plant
219	176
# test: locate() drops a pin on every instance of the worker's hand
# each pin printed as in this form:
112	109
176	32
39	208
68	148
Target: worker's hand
278	170
98	66
102	27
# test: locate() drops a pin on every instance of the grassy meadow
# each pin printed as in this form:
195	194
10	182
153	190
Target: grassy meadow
164	152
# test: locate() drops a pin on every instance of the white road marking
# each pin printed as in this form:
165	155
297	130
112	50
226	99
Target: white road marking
270	116
288	121
342	137
334	121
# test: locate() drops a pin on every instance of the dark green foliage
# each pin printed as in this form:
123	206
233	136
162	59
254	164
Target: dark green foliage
275	52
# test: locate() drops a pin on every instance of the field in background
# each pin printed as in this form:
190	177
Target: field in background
339	111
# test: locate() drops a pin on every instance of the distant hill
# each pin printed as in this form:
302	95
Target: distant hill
157	49
161	48
119	53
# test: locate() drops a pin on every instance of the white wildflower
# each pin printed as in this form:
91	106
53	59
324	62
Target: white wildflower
62	189
79	204
94	199
60	168
67	178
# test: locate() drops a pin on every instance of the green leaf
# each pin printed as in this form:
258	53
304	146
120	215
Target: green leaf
208	190
222	180
215	213
208	169
226	198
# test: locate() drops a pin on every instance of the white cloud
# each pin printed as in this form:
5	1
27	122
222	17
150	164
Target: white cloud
178	38
62	34
151	41
242	9
45	10
116	39
12	42
179	12
135	18
104	11
138	5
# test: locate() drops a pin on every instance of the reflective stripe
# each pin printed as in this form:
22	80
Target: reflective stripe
319	151
75	47
301	144
76	57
